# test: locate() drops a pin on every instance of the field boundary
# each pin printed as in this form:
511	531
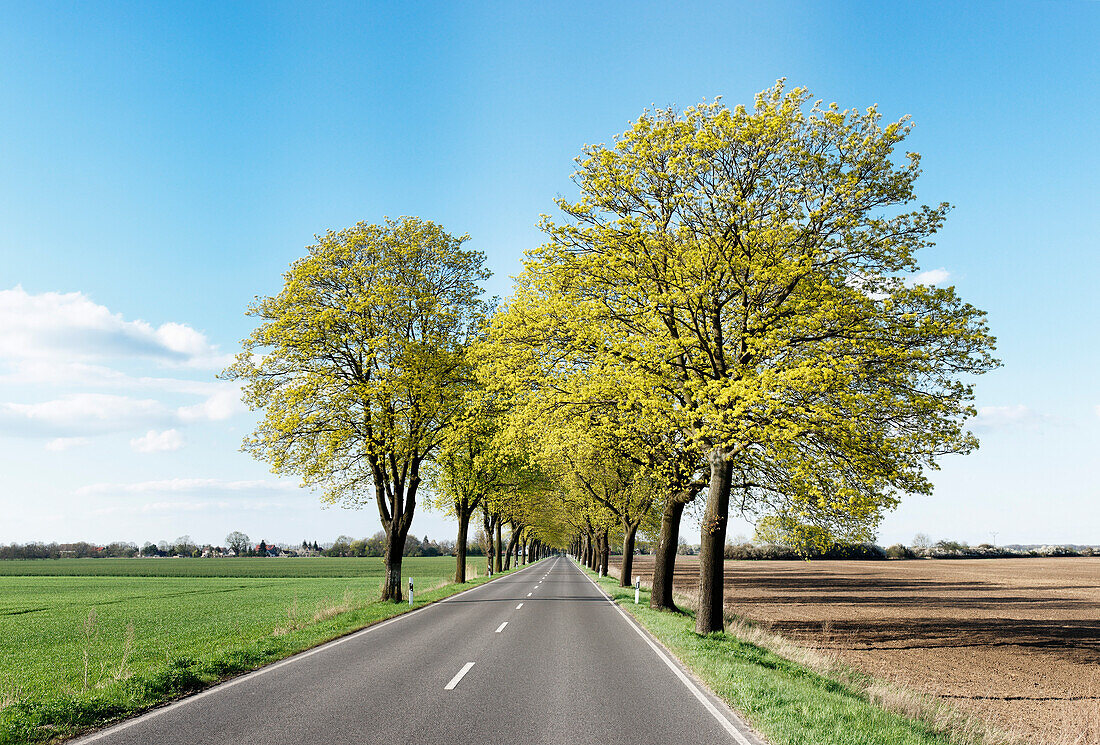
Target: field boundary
94	733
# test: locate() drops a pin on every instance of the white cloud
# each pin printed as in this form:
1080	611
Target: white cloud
80	414
178	506
931	277
70	326
998	417
180	485
62	444
157	442
205	506
219	405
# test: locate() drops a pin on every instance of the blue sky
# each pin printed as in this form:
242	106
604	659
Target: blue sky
160	165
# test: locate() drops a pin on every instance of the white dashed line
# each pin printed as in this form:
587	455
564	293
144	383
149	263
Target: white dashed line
501	627
519	606
454	681
528	594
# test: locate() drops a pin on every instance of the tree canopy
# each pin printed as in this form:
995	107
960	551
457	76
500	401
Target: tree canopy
359	365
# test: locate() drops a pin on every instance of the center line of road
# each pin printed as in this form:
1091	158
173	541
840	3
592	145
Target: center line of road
454	681
501	627
519	606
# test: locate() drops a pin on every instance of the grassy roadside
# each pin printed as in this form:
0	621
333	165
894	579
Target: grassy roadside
788	703
66	715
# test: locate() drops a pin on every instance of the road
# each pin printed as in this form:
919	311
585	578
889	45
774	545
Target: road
540	656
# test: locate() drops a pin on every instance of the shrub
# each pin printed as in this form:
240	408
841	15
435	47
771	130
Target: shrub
898	551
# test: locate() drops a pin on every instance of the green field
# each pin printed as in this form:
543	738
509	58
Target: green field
437	567
83	640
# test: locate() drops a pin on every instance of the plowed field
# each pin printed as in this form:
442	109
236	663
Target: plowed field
1014	641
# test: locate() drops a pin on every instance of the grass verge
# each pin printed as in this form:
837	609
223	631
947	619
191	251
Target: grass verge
788	702
57	717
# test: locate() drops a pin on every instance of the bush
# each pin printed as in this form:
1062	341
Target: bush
898	551
855	551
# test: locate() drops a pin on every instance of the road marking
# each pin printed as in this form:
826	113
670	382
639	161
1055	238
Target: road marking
501	627
519	606
706	702
528	594
458	676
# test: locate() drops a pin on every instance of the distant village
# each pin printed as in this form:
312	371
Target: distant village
237	545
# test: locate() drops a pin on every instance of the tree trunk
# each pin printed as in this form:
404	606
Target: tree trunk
664	565
513	543
496	548
395	545
605	551
489	523
627	568
460	545
712	540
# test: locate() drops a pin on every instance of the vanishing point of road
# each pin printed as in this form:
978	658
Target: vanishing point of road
537	657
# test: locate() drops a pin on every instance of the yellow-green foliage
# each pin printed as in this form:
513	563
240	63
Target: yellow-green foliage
806	539
739	278
360	362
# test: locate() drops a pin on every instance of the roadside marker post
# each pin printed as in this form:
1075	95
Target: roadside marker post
637	588
410	590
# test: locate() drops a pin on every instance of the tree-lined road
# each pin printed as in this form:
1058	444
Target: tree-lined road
539	656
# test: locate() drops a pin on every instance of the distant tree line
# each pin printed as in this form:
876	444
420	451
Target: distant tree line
236	544
376	546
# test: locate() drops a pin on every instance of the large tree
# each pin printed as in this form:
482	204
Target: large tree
746	273
359	365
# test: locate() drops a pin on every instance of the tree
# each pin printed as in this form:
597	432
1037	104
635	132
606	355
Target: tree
359	363
238	541
184	546
466	470
262	548
745	273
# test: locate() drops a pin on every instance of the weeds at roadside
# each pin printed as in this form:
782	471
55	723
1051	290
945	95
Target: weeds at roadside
123	672
88	640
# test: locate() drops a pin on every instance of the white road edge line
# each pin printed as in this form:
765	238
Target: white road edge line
501	627
706	702
519	606
458	676
112	729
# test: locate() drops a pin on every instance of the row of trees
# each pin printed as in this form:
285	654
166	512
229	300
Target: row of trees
725	318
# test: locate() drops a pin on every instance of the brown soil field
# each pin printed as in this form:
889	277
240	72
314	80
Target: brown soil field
1015	642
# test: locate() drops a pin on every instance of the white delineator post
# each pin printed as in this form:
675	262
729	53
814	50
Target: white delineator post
410	590
637	588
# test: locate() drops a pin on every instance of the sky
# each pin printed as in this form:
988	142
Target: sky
162	164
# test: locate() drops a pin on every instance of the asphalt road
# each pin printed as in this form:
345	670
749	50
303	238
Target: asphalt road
539	656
